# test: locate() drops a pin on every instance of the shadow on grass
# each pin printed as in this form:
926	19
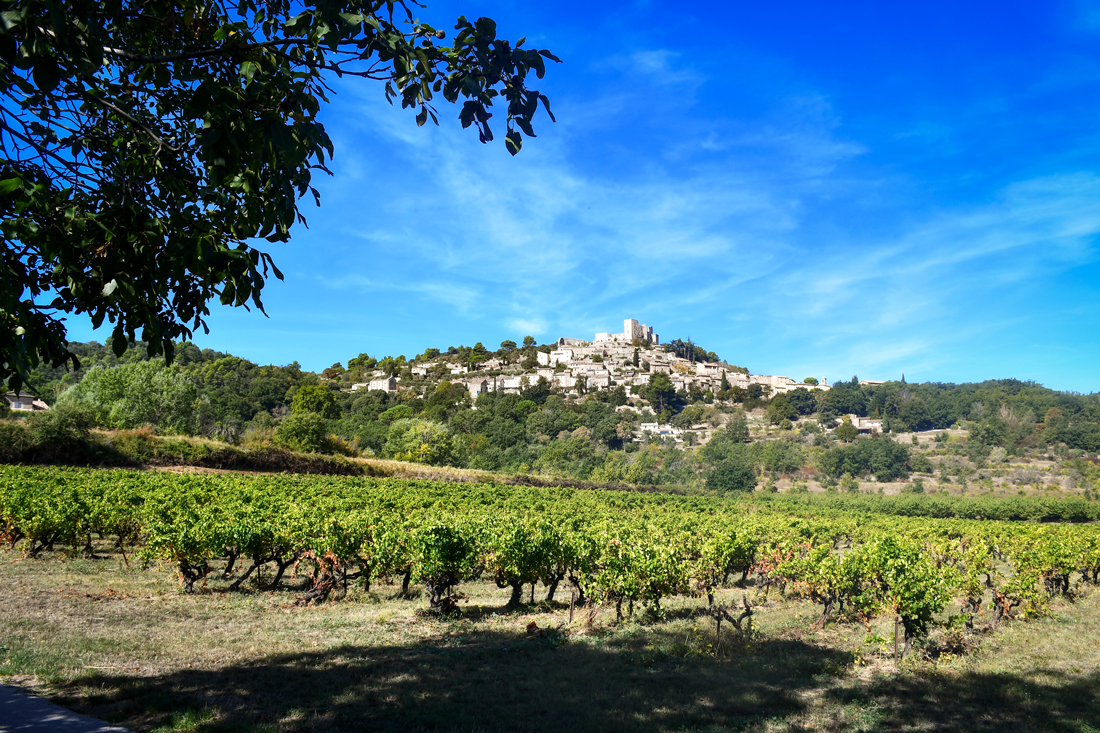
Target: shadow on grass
487	681
1045	700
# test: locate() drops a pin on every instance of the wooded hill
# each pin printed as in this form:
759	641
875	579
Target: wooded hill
793	437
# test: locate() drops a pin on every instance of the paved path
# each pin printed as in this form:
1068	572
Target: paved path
21	712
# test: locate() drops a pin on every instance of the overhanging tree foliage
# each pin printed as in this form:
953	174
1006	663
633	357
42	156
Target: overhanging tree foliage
144	144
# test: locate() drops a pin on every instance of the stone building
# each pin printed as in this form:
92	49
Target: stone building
632	331
385	384
561	356
24	402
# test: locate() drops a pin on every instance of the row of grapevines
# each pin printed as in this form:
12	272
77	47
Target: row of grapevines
612	547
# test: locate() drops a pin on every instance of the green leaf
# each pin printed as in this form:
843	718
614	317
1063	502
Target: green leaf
538	64
46	73
10	184
487	27
513	142
546	104
282	136
525	126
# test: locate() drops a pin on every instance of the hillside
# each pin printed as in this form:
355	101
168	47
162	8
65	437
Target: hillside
610	410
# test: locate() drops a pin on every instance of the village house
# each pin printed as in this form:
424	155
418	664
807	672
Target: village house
707	369
478	387
24	402
656	430
385	384
513	385
600	379
866	424
562	356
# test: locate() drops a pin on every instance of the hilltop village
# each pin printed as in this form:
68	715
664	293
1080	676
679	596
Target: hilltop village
609	361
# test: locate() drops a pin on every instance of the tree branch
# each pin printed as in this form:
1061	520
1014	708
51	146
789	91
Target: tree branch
130	118
205	53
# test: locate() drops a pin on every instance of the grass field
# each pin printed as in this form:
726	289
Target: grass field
123	644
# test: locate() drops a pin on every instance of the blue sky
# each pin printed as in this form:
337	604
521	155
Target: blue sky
805	188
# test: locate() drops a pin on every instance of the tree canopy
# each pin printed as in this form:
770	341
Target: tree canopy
147	145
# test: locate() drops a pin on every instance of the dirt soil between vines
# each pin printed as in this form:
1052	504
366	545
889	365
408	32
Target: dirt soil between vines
123	644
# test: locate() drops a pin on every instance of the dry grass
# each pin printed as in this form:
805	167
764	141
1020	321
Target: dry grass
125	645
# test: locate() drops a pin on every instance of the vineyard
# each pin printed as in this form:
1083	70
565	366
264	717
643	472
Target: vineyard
620	550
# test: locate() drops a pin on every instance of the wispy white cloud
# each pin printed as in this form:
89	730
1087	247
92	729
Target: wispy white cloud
721	238
900	301
529	327
461	297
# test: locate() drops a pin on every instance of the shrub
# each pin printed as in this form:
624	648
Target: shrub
732	475
847	432
395	413
420	441
878	455
15	439
317	399
303	431
921	463
62	425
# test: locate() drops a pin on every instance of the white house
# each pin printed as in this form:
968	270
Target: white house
513	385
385	384
478	387
564	381
561	356
23	402
599	379
664	431
866	424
